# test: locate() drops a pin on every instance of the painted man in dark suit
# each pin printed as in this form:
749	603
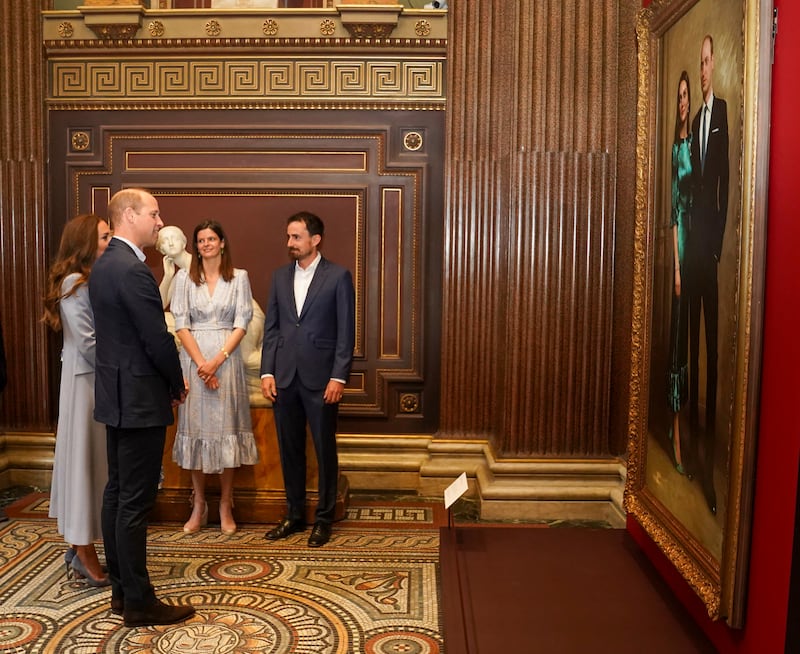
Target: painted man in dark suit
138	382
309	334
710	173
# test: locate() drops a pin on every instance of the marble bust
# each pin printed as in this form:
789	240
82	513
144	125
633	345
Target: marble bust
172	244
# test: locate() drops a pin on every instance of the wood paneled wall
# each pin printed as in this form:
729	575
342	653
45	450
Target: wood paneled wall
535	338
532	351
23	267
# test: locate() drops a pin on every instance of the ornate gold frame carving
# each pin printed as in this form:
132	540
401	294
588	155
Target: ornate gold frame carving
662	501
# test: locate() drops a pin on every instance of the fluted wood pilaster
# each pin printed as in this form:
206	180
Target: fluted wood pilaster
476	242
26	403
528	310
557	343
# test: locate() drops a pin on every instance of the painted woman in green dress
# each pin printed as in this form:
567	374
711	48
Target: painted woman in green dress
680	222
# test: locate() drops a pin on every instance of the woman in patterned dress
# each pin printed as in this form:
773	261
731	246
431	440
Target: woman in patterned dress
80	468
680	222
212	305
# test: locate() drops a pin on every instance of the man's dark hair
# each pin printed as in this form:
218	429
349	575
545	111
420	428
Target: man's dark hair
313	223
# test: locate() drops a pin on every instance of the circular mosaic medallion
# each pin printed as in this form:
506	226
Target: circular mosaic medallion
240	570
213	631
238	619
401	643
18	633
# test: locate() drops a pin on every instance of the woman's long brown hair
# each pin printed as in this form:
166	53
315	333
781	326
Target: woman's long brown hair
226	263
76	254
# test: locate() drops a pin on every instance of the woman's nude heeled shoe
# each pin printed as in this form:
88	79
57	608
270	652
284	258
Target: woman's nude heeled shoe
231	530
203	519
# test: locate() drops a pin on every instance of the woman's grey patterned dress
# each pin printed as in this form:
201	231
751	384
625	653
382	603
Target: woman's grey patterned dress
214	427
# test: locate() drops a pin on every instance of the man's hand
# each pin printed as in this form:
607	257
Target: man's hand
268	388
180	400
333	392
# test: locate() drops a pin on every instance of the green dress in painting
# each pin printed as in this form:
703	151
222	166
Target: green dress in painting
679	323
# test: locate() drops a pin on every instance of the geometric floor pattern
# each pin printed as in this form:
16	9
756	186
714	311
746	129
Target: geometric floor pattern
372	589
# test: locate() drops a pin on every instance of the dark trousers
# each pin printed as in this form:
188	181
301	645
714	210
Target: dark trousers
134	466
296	406
703	294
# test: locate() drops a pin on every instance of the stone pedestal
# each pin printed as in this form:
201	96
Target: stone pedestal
258	490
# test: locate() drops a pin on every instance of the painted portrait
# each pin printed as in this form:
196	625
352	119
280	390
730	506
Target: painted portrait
702	127
696	266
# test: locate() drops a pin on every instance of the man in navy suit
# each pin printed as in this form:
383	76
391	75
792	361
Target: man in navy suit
309	334
710	174
138	382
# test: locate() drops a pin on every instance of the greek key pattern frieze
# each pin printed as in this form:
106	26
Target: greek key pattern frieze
307	79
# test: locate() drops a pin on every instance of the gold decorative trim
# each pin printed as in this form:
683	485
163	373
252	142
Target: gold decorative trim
327	27
213	27
243	28
409	403
370	22
439	45
369	30
115	32
65	29
156	28
80	141
248	81
367	105
412	141
422	28
270	27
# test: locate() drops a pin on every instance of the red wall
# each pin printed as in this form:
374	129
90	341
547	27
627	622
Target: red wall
779	429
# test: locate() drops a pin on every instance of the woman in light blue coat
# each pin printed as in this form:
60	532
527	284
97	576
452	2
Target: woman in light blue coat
80	468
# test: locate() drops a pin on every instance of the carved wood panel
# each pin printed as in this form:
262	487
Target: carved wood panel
374	179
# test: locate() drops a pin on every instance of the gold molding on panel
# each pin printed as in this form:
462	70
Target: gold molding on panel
370	22
112	3
80	140
117	22
308	82
358	26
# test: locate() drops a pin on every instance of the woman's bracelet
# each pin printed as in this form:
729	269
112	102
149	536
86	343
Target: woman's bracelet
225	352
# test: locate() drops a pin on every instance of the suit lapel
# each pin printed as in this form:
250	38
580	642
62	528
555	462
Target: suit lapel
316	284
290	290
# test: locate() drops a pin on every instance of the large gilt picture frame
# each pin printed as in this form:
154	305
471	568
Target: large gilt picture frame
699	257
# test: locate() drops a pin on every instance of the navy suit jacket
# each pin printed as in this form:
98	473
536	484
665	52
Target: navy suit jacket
318	344
710	182
137	370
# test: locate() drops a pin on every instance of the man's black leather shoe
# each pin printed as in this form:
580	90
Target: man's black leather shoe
117	606
157	613
320	534
285	528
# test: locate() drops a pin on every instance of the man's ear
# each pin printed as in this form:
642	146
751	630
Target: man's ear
316	239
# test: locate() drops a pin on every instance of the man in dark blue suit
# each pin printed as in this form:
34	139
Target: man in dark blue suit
710	176
309	335
138	382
